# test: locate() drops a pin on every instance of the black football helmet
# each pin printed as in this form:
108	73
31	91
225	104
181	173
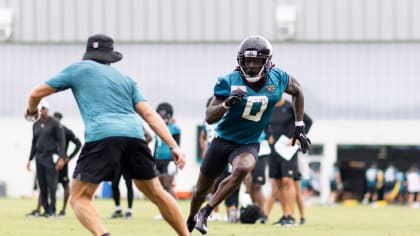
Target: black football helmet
166	111
258	50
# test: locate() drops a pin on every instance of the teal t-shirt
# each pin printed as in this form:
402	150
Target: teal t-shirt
105	97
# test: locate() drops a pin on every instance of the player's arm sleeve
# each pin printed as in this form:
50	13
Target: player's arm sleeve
136	94
64	79
76	142
222	88
283	78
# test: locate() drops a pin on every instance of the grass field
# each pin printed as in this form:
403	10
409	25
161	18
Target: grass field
322	221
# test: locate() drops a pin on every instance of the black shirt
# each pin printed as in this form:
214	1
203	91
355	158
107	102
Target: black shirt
283	121
48	138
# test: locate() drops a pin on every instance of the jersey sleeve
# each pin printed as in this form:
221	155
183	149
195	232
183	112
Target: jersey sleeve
283	78
222	87
136	94
63	80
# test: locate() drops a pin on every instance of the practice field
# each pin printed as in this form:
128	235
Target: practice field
322	221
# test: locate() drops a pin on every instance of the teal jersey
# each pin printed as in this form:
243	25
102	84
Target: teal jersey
162	151
106	99
245	120
371	177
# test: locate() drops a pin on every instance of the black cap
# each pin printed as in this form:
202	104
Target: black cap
58	115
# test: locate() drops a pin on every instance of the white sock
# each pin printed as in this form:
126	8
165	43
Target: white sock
129	210
118	208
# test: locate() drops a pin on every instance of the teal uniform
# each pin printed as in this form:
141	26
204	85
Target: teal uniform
244	121
162	151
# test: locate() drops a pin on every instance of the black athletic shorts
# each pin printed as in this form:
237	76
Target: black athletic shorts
221	152
98	160
280	167
63	175
258	174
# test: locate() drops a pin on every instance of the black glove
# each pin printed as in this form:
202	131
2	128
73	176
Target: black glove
234	97
301	136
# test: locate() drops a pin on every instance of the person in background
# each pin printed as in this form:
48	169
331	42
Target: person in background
413	186
111	105
48	139
63	176
402	190
336	184
284	170
303	175
242	105
371	177
162	154
390	183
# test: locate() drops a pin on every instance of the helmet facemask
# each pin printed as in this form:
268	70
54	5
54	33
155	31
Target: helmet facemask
253	68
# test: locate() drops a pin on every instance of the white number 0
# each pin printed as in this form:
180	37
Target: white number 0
251	100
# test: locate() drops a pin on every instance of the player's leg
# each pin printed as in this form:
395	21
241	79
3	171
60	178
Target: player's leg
272	198
81	195
167	205
166	180
232	206
64	180
96	163
116	195
242	164
130	197
214	162
52	182
202	188
43	186
288	196
138	163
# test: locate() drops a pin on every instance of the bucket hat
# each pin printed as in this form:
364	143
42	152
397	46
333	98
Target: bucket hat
100	47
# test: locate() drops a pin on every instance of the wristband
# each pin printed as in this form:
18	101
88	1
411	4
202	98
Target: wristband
173	147
299	123
225	106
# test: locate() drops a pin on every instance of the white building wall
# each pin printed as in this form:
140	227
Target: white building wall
210	21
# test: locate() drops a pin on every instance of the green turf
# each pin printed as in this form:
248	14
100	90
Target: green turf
322	221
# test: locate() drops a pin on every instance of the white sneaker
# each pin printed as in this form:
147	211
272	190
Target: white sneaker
215	217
